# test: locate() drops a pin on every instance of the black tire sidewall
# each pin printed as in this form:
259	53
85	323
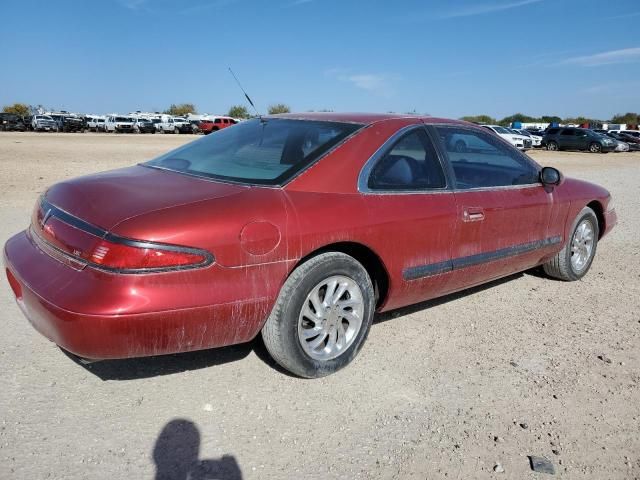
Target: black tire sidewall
310	367
590	215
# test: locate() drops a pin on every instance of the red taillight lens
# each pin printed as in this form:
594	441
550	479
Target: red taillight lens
141	256
81	243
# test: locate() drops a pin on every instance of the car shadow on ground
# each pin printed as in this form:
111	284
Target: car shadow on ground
147	367
176	456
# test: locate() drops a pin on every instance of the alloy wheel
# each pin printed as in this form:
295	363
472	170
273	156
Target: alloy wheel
331	318
582	245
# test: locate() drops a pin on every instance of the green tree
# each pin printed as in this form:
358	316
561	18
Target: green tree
279	108
20	109
629	118
517	117
238	111
486	119
181	109
550	119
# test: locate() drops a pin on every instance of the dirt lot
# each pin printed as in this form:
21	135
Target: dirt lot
447	389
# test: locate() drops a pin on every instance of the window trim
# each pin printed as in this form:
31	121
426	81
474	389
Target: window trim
385	148
452	174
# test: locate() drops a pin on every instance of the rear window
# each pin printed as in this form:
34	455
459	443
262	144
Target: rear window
267	151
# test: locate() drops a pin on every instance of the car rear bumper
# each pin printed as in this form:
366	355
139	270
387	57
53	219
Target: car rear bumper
99	315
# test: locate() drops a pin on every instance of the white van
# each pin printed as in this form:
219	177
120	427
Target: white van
118	124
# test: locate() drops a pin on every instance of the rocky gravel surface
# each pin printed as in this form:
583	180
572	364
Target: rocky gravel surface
473	385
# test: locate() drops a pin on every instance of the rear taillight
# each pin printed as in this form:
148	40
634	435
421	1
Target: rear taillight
89	245
134	255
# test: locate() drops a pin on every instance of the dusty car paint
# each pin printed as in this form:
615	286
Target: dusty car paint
423	245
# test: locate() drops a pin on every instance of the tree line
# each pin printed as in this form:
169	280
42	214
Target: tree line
629	118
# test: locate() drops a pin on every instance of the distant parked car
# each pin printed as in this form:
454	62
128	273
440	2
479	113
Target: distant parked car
519	141
144	125
94	123
195	126
633	142
10	122
166	125
43	123
182	125
118	124
216	123
536	140
573	138
633	133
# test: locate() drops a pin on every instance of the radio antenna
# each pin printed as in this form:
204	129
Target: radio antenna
245	93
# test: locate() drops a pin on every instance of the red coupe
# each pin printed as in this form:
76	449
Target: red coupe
296	226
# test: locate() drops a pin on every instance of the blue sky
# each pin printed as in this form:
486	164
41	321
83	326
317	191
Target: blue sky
444	58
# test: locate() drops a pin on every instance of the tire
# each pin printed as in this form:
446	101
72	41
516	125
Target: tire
561	266
552	146
461	146
283	330
595	147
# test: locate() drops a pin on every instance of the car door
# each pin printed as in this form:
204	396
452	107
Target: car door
568	139
411	213
502	210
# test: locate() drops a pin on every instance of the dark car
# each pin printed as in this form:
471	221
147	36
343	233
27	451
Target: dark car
10	122
144	125
68	123
571	138
298	226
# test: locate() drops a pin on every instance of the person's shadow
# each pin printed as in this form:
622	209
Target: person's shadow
176	455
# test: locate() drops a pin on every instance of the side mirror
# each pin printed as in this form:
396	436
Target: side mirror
550	176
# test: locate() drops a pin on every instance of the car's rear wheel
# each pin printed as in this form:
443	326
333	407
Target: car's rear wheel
574	260
595	147
552	146
322	316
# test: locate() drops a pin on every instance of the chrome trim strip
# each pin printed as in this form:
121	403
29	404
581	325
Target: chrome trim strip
422	271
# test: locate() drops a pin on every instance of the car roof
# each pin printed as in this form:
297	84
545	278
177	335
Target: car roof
363	118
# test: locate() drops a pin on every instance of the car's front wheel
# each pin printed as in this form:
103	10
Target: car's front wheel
322	316
552	146
574	260
595	147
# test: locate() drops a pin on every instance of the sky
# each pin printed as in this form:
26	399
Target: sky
442	58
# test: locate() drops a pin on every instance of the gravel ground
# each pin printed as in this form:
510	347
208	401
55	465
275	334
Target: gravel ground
447	389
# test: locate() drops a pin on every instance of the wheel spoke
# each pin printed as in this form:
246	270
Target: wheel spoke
309	333
339	293
331	342
319	340
342	337
328	294
317	303
310	314
350	316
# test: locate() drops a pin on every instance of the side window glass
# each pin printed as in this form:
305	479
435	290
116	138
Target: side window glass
411	164
566	133
481	160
